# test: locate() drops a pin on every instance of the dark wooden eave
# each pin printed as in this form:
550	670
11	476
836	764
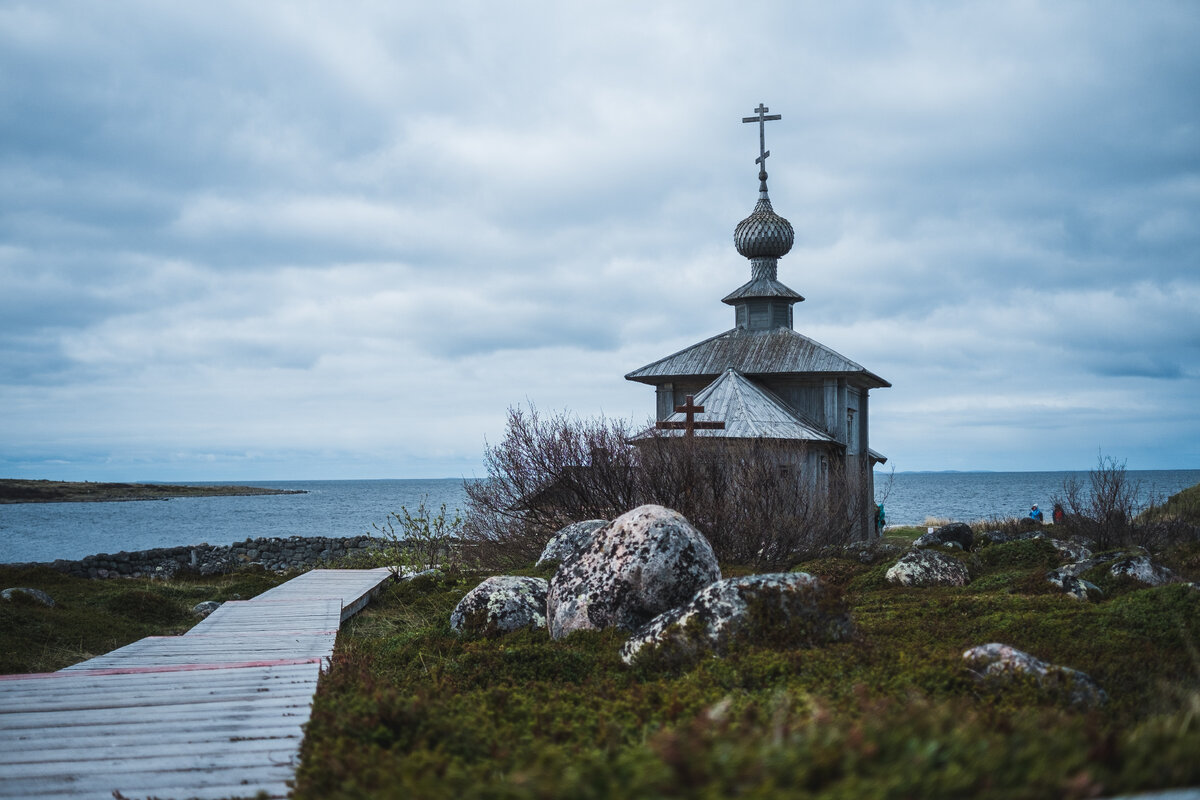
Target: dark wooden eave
778	351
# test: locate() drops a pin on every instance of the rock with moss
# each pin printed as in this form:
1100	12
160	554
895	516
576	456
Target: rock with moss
956	534
1004	537
928	568
37	595
1141	569
1072	552
1074	586
1002	662
869	551
790	609
574	537
646	561
501	604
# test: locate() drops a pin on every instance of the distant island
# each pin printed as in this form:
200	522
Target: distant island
42	491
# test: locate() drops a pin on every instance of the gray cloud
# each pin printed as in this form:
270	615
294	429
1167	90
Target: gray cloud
286	240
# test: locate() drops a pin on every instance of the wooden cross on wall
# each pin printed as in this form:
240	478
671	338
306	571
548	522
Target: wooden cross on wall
690	425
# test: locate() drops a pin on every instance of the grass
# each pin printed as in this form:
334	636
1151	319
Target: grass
410	710
92	617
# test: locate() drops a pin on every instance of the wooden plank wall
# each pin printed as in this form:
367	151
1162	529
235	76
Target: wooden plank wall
215	713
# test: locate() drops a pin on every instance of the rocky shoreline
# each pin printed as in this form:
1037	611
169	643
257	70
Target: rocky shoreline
45	491
273	553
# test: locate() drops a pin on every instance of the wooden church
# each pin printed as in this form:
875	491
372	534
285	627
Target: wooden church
762	380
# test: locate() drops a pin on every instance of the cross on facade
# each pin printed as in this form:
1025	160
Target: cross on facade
689	426
762	119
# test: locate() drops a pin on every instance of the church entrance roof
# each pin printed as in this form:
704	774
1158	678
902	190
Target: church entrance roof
748	412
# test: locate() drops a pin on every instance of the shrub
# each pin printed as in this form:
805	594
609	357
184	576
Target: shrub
421	540
750	498
1110	512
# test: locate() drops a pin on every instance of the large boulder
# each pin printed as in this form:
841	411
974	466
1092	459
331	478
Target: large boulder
1002	662
956	534
928	568
571	538
1142	570
36	595
784	609
1074	586
501	604
646	561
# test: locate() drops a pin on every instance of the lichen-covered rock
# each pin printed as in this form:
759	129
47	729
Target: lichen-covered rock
1143	570
501	604
790	609
870	551
202	610
1002	662
571	538
1002	537
646	561
1074	586
956	534
928	568
1071	551
35	594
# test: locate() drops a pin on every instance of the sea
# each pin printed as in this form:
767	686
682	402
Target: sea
49	531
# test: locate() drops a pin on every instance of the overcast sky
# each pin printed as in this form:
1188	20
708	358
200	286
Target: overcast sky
302	240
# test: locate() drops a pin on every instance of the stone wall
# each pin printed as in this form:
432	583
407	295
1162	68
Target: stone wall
294	552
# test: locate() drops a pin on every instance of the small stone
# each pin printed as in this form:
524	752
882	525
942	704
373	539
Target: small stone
36	594
202	610
997	661
928	568
956	534
501	604
1141	569
1074	586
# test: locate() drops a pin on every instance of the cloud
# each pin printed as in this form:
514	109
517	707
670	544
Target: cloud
285	237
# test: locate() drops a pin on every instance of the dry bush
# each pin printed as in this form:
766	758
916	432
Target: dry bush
1108	511
548	472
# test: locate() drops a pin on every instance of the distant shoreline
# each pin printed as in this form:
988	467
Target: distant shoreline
45	491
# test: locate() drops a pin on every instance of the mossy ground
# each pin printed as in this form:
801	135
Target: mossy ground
410	710
92	617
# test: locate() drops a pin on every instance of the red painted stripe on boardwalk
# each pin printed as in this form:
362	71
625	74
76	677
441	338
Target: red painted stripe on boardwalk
251	634
84	673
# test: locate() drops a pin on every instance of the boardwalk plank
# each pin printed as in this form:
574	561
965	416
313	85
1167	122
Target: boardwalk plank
215	713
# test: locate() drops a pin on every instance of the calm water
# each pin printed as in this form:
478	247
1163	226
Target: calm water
970	496
46	531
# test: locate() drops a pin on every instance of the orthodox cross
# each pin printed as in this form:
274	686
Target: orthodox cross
762	119
689	425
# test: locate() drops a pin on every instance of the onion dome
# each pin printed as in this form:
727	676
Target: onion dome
763	234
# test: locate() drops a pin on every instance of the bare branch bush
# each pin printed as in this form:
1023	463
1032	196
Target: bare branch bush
751	498
1103	510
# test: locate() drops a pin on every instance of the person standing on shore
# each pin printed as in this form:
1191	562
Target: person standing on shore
1035	514
1058	515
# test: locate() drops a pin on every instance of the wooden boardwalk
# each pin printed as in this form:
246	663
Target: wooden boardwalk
215	713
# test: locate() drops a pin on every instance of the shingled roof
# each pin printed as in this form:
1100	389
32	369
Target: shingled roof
778	351
748	411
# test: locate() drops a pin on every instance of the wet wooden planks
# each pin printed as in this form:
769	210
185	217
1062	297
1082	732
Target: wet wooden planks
215	713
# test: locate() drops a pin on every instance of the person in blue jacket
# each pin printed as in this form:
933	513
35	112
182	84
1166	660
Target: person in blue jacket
1035	514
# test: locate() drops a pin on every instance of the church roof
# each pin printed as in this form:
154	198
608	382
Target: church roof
761	287
748	411
777	351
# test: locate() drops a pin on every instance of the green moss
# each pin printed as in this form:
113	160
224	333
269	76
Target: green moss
411	711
